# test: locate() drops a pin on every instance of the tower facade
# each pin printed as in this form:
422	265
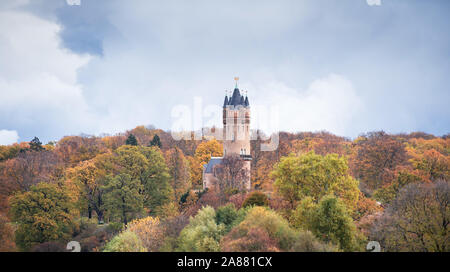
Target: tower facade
236	125
236	129
236	136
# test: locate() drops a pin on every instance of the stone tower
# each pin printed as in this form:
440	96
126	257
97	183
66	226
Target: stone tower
236	135
236	128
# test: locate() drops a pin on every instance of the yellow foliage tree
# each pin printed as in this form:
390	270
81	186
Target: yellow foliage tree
149	231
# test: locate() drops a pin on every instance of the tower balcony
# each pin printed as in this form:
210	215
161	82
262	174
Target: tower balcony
246	157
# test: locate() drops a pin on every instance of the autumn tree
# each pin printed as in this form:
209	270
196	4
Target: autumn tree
26	170
256	198
43	214
6	235
299	176
89	177
180	178
402	177
232	174
417	220
122	197
377	154
149	231
263	229
203	154
74	149
430	157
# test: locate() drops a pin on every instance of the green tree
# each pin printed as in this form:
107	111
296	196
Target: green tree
122	197
36	144
227	216
126	241
299	176
302	217
156	141
332	223
43	214
202	234
179	171
131	140
147	165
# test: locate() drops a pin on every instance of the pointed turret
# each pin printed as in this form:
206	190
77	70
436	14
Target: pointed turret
225	102
246	103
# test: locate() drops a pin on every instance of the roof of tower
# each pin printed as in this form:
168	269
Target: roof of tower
225	102
246	103
236	99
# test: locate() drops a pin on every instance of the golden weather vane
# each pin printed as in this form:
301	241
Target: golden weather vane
236	79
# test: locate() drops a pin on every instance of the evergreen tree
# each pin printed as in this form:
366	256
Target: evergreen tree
156	141
36	144
131	140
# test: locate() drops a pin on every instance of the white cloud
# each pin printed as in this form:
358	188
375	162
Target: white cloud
8	137
38	78
329	103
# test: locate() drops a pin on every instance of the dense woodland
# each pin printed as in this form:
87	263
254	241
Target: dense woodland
141	191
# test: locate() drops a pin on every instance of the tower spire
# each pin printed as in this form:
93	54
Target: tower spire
236	79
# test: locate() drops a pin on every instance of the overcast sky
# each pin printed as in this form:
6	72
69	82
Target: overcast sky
107	66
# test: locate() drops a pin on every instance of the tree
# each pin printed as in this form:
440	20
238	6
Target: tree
179	171
126	241
417	220
156	141
388	193
131	140
261	230
303	216
25	170
227	215
232	174
74	149
43	214
430	157
307	242
149	231
376	154
332	223
202	233
6	235
203	154
256	198
89	178
255	239
122	197
147	165
315	176
36	145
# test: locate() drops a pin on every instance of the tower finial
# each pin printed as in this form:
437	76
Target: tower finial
236	79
